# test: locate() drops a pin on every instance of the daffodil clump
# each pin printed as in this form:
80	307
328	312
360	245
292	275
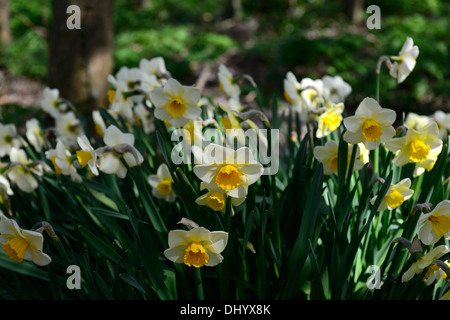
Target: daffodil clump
167	193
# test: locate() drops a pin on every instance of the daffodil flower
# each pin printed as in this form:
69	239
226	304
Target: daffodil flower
62	161
443	121
161	183
434	274
435	224
395	196
155	66
20	244
143	118
118	145
371	124
51	102
328	156
405	62
312	93
421	147
215	198
100	126
229	170
197	247
121	104
227	83
291	90
329	120
176	103
424	262
34	134
5	188
336	89
8	138
20	172
415	121
87	155
68	128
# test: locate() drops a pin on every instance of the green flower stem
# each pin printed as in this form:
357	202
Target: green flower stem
199	284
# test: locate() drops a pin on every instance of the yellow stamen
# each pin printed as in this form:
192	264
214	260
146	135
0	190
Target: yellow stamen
195	255
216	201
418	150
167	123
228	177
394	199
332	121
440	224
372	131
432	268
83	157
57	169
164	187
111	96
287	97
138	121
99	130
176	107
334	163
16	248
226	123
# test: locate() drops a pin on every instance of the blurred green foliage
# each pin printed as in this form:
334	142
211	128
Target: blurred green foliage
311	38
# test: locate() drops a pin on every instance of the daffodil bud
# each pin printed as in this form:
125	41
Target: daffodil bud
47	227
413	247
188	223
423	207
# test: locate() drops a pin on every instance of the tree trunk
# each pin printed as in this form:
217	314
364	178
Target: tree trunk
81	59
5	32
353	10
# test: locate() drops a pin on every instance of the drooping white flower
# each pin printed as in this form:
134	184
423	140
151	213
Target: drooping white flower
424	262
336	89
87	155
34	134
5	188
121	146
20	172
121	103
63	161
20	244
405	62
143	118
99	123
52	103
227	83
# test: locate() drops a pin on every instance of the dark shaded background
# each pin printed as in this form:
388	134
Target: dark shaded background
264	39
